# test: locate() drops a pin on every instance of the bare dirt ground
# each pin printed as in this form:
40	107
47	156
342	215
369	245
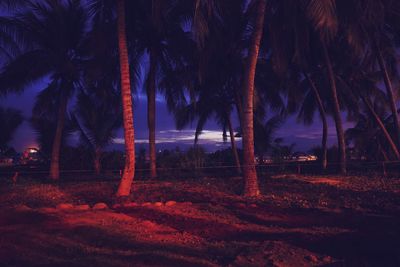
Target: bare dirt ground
300	221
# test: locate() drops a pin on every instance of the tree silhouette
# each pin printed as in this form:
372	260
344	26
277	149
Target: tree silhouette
10	119
54	31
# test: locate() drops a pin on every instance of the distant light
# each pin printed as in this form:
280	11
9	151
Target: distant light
32	150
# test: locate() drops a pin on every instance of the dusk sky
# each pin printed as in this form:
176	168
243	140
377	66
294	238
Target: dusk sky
305	137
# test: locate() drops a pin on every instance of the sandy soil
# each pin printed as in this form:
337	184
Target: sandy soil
300	221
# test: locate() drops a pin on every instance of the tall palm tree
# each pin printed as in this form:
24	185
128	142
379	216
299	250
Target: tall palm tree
299	45
127	106
372	34
322	15
249	168
54	30
159	36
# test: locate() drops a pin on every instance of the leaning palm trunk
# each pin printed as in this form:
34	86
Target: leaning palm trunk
55	152
249	169
336	111
233	145
151	113
322	113
127	107
383	152
390	95
382	127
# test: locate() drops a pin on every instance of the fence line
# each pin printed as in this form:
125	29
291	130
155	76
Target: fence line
299	165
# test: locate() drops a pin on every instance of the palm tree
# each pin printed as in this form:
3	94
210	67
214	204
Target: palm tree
211	102
313	35
160	36
127	107
364	88
10	120
44	120
302	30
249	168
97	121
54	31
327	27
212	72
367	140
374	32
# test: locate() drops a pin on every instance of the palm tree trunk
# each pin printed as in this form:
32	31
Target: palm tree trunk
124	187
97	161
233	144
249	169
390	95
381	126
322	113
336	111
55	152
151	112
383	152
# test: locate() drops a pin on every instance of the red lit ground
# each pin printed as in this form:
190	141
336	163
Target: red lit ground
301	221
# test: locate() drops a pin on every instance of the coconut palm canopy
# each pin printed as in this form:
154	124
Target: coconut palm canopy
199	71
199	132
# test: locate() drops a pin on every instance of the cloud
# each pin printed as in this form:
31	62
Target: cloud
181	136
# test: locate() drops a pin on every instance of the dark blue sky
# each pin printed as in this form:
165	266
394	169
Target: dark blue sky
168	137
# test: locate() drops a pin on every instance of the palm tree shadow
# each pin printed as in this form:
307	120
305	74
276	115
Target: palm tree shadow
368	240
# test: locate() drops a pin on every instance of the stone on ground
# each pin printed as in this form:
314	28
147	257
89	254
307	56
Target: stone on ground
82	207
65	206
100	206
170	203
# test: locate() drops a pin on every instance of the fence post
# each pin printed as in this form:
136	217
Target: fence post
298	169
384	169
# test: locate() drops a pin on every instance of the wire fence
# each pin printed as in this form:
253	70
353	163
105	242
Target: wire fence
385	169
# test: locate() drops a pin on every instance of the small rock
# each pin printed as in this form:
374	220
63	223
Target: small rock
145	204
158	204
327	259
253	205
311	258
100	206
65	206
170	203
82	207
